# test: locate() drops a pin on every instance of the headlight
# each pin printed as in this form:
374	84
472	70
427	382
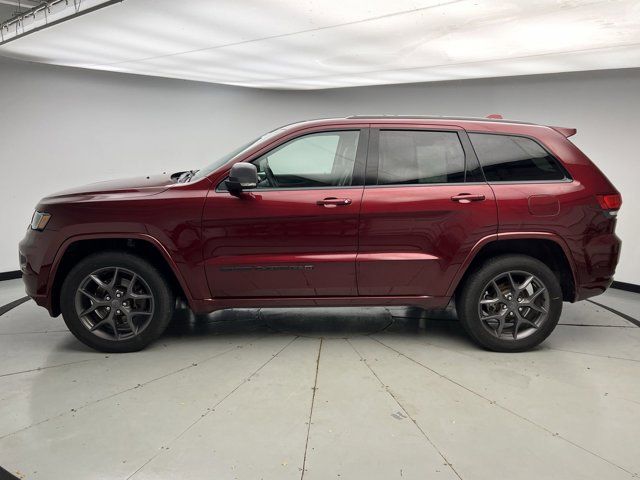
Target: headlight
39	220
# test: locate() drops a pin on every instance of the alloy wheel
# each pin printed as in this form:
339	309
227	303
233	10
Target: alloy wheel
114	303
513	305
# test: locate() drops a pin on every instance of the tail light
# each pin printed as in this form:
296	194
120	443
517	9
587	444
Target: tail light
611	203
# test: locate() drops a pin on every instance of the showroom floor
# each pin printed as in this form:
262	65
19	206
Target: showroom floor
350	394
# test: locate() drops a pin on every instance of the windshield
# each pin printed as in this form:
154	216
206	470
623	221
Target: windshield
212	167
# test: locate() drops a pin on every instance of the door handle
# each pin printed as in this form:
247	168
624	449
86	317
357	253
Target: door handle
467	198
332	202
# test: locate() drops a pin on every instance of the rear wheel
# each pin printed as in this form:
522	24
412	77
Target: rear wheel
510	304
116	302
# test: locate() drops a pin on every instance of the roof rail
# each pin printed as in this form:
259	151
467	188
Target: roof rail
441	117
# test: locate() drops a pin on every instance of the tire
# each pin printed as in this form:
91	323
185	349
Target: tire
138	316
494	290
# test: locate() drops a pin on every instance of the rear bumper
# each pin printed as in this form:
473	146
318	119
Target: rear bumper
591	290
598	265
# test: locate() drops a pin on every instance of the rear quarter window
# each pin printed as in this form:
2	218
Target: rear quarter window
509	158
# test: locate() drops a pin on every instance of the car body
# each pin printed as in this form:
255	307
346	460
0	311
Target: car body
373	237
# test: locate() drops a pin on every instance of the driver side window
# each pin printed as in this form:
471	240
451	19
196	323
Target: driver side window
323	159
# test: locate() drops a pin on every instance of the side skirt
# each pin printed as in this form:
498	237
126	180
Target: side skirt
211	305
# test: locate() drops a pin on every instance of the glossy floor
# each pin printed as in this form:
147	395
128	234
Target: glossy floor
321	394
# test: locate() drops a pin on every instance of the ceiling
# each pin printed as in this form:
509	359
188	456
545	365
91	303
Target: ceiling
316	44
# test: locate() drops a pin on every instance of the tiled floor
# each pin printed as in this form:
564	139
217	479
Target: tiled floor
321	394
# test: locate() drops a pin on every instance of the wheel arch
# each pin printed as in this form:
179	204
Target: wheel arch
546	247
146	246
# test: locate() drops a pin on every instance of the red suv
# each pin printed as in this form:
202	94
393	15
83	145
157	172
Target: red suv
506	219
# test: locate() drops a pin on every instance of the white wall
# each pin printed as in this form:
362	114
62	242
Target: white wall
61	127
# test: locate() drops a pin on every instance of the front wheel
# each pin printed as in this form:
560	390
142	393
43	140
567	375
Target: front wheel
510	304
116	302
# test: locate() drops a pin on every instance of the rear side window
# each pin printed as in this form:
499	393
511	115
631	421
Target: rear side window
419	157
508	158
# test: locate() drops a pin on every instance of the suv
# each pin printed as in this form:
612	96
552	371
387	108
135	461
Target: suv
505	219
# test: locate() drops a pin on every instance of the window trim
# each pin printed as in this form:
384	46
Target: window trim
567	176
359	165
373	159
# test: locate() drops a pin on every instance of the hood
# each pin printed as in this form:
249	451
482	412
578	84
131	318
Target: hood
131	187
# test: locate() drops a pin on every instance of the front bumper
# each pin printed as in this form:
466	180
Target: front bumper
36	253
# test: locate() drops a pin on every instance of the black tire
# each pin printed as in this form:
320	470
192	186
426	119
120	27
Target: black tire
160	303
473	291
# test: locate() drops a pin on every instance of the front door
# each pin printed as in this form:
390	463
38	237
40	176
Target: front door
425	206
296	234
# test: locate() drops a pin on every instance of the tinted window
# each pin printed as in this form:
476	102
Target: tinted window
507	158
316	160
416	157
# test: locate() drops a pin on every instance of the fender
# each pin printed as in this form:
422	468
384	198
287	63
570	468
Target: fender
467	261
512	236
121	235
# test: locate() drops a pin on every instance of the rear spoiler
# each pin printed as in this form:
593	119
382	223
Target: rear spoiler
567	132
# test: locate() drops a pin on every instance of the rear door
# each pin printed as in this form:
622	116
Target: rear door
296	234
425	205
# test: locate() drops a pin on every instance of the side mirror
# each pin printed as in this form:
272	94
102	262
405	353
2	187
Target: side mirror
242	176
